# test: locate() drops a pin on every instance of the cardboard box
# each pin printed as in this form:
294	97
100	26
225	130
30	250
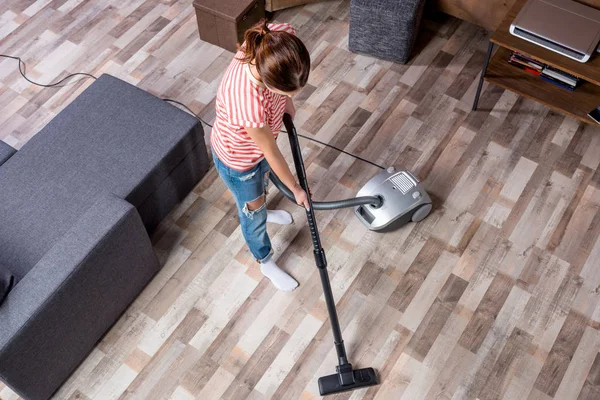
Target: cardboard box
224	22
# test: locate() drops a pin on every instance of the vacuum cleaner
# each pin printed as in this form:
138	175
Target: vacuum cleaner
385	203
390	199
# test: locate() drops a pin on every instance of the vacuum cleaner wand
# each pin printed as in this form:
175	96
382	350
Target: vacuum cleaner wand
346	378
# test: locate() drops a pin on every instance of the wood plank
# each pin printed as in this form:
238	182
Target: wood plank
580	366
257	365
416	274
486	313
436	317
516	346
560	356
591	387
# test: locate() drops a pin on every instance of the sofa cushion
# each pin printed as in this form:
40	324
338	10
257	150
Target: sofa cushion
6	152
113	138
7	281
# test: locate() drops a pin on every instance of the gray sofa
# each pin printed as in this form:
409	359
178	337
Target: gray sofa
77	205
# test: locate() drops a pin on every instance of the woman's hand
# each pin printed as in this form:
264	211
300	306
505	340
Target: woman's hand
264	139
301	197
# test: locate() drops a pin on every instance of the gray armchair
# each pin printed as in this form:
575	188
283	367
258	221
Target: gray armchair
63	306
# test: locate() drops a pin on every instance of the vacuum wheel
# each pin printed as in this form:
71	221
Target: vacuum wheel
421	213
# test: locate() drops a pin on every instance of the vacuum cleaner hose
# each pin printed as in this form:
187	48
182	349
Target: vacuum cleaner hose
375	201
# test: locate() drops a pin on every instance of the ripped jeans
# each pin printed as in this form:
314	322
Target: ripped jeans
246	187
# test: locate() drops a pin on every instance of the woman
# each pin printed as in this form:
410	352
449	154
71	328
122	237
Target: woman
257	88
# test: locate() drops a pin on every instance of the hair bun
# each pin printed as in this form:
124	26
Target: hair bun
253	39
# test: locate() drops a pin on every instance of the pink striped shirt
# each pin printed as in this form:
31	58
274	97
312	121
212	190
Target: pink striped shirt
242	101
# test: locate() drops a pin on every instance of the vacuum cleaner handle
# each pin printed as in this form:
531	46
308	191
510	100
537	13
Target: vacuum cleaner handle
346	378
320	258
301	172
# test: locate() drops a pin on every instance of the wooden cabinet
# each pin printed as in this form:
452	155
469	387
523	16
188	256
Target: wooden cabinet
274	5
486	13
224	22
499	72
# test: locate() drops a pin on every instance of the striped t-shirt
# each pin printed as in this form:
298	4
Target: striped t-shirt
243	101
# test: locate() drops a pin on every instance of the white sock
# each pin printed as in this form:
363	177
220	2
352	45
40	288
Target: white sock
280	217
278	277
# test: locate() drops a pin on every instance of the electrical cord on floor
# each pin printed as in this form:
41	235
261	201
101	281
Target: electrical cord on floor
189	111
22	69
302	136
340	150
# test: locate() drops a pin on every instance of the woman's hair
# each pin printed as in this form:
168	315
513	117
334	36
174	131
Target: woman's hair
281	59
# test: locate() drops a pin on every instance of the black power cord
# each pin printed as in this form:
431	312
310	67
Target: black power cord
188	110
302	136
22	69
340	150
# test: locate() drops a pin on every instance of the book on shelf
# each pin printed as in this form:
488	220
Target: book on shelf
560	75
516	60
557	83
595	115
526	64
546	72
523	59
525	68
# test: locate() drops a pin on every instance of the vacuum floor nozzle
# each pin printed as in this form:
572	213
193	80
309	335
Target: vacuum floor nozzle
343	381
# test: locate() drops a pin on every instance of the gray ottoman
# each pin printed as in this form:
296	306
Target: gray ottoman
385	29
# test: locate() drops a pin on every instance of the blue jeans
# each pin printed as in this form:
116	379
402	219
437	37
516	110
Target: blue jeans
246	187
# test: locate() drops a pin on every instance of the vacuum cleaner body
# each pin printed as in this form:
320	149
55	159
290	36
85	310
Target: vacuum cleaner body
404	200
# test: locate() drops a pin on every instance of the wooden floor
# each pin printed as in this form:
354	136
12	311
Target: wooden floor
495	296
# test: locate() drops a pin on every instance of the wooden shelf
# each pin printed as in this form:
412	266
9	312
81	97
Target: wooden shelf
499	72
590	71
576	103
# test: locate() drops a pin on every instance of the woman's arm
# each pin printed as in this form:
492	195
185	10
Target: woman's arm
264	139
